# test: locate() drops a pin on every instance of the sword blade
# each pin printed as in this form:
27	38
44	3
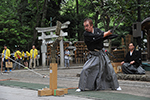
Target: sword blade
119	23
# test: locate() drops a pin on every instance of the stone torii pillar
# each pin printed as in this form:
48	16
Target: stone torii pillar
43	49
46	37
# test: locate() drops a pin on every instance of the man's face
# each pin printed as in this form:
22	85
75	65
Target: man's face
33	47
5	47
87	26
131	46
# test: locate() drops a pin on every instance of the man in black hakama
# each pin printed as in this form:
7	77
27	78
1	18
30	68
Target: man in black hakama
132	62
97	73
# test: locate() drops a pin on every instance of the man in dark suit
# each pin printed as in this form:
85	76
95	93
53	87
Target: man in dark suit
132	61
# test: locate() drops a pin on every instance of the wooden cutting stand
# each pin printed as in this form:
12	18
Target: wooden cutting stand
53	90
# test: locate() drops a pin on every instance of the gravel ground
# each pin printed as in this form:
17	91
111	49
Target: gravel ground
67	78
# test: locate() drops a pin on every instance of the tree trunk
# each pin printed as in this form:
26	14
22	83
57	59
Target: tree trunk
77	9
107	28
96	18
38	20
44	13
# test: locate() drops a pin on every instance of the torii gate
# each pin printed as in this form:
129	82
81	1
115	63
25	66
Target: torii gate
44	37
53	90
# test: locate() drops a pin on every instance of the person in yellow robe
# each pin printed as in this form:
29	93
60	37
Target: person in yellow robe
26	56
18	57
5	57
33	56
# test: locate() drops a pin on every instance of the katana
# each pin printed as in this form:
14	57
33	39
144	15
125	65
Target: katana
117	24
112	31
110	54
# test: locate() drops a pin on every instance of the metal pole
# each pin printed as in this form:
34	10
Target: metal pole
50	21
139	20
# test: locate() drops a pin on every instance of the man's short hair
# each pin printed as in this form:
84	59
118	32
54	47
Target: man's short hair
33	45
5	45
131	43
89	20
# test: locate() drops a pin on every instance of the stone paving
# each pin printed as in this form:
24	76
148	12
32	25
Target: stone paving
68	78
10	93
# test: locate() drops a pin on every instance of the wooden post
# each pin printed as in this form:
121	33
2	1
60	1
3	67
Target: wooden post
2	65
58	28
53	76
148	46
53	47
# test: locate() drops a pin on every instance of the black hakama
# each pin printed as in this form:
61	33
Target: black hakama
135	68
97	73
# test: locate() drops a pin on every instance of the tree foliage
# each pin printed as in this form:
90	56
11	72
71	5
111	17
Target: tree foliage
19	18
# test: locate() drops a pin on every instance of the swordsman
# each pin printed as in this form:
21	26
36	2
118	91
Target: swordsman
97	73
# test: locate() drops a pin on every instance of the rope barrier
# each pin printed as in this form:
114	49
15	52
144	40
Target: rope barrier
27	68
8	79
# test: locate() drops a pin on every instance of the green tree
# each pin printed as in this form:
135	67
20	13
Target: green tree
12	31
19	18
113	11
76	11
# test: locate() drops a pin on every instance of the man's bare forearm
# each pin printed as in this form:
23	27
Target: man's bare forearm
107	33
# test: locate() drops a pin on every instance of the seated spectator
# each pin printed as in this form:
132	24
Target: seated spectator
132	62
